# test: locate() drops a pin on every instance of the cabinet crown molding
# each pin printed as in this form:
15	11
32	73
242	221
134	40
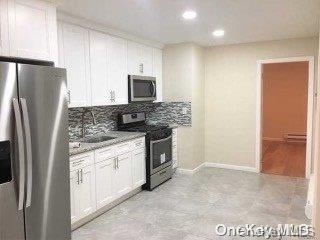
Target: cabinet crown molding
68	18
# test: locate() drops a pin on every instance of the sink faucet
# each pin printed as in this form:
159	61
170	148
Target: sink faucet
85	111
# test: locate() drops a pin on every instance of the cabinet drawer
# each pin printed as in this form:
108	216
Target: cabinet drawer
105	153
139	143
81	160
123	148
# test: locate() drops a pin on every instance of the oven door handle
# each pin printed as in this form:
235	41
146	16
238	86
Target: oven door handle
161	140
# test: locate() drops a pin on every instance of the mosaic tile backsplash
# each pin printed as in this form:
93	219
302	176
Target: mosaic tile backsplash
106	116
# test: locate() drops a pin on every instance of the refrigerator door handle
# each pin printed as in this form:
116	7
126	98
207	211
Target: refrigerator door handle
19	130
26	123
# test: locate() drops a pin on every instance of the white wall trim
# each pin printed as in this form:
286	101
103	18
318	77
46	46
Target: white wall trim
190	171
215	165
231	167
64	17
310	120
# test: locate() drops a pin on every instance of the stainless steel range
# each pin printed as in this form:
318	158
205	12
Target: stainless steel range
158	145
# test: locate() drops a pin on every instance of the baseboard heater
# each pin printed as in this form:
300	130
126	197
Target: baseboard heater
290	137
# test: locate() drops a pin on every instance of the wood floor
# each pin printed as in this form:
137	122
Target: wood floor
283	158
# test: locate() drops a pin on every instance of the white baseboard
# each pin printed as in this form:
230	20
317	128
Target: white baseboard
216	165
232	167
191	171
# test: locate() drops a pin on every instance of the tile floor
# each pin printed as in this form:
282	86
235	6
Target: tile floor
189	207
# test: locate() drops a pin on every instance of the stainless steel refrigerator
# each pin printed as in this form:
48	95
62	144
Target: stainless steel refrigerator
34	165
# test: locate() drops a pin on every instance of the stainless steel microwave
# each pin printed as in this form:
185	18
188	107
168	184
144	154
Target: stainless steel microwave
142	89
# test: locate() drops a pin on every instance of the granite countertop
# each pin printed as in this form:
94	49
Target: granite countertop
119	137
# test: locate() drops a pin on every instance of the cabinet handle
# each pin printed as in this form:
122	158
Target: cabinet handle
141	67
69	97
78	181
115	163
81	176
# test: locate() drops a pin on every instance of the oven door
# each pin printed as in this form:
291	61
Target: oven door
142	89
160	154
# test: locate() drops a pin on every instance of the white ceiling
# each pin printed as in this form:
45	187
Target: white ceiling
243	20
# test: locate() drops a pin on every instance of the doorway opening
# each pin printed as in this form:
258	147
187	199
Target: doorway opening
285	116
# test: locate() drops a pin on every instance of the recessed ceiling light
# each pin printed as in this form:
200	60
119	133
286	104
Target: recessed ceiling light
218	33
189	15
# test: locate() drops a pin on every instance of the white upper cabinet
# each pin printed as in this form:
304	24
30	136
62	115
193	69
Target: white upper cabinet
99	69
117	70
4	28
140	59
157	71
147	60
74	56
32	29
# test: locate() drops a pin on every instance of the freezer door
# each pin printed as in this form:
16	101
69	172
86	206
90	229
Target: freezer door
43	98
11	219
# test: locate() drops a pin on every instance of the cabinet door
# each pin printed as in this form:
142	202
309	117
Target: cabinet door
117	70
140	59
74	196
123	175
74	56
33	29
104	191
4	28
87	191
146	54
157	71
99	66
138	167
134	59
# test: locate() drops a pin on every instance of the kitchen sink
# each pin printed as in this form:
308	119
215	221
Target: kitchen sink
97	139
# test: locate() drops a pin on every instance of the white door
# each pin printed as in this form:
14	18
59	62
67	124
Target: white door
99	66
74	196
138	167
4	28
33	29
134	59
146	54
87	191
117	70
157	71
123	175
74	56
104	191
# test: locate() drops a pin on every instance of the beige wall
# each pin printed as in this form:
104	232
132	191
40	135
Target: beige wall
230	96
183	80
284	99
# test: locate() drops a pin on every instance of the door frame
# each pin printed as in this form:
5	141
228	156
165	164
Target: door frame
310	111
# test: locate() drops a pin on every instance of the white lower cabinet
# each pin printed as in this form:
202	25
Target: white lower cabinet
175	148
73	202
123	175
87	194
102	176
138	166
